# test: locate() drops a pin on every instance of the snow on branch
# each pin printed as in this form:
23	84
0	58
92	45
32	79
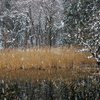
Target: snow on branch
83	50
89	57
97	59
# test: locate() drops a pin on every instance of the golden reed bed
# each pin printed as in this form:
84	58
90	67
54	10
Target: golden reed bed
44	57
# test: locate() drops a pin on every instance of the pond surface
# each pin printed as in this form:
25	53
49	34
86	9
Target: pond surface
83	88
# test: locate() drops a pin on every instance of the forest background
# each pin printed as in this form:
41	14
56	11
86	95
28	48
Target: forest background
32	23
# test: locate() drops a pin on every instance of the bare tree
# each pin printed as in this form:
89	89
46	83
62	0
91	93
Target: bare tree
34	22
51	10
90	37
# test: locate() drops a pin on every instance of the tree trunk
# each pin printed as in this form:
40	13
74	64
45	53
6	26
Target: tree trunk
26	37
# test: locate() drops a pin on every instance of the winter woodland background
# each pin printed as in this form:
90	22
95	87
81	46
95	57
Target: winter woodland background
31	23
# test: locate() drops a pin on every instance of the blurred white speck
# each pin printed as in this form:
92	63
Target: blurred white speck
2	90
3	81
1	19
42	62
27	50
5	99
22	59
13	39
99	56
12	55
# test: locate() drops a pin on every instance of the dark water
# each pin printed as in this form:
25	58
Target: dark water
87	88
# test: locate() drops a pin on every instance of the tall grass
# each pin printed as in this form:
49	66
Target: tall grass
44	57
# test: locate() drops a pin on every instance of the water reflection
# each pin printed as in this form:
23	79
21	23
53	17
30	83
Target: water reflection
82	89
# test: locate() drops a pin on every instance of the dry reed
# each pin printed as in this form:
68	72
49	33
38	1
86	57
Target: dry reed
44	57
